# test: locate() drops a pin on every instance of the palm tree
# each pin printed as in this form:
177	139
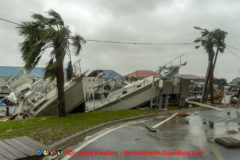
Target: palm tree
213	42
49	35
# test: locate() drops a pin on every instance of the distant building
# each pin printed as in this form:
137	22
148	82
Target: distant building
193	78
197	83
235	81
13	73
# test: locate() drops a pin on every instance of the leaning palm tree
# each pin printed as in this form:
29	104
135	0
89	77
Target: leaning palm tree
49	35
213	42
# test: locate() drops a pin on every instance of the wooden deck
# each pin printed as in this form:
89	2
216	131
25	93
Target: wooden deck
19	148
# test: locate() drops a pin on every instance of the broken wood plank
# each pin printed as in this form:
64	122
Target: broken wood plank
11	150
20	147
34	144
7	155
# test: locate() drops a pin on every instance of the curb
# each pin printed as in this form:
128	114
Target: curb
72	139
68	141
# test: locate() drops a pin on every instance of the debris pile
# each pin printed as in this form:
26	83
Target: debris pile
228	142
183	114
13	117
230	131
194	99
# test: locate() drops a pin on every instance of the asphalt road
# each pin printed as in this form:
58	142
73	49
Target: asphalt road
186	134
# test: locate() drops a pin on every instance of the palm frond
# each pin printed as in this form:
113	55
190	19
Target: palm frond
77	42
56	16
50	71
31	53
69	71
47	32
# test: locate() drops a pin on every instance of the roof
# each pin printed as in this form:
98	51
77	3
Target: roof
106	73
142	73
8	71
110	74
190	76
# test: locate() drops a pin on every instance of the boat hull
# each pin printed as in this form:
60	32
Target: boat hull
74	101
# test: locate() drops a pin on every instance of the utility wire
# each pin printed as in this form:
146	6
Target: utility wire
116	42
124	42
233	53
233	47
139	43
10	21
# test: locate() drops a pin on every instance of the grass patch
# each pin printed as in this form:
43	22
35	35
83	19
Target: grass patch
52	128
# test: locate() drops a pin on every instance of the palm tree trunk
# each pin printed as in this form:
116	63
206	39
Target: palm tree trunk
211	87
211	78
60	87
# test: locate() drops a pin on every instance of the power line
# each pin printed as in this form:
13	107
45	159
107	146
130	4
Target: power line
233	53
233	47
140	43
117	42
129	43
10	21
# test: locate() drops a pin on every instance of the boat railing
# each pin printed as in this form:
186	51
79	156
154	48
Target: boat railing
126	90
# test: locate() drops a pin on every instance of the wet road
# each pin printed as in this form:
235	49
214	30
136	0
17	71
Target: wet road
186	134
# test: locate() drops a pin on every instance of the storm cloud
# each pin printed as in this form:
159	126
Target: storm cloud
156	21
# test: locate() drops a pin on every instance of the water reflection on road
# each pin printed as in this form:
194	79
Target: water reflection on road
189	133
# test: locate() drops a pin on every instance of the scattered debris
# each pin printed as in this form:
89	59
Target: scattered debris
230	131
3	119
186	121
228	142
183	114
211	124
13	117
9	130
18	116
194	99
210	139
204	121
150	128
210	135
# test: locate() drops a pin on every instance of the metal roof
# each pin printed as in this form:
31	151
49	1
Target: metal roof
110	74
8	71
106	73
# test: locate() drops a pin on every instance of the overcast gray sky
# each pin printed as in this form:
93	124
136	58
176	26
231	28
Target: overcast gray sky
136	21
